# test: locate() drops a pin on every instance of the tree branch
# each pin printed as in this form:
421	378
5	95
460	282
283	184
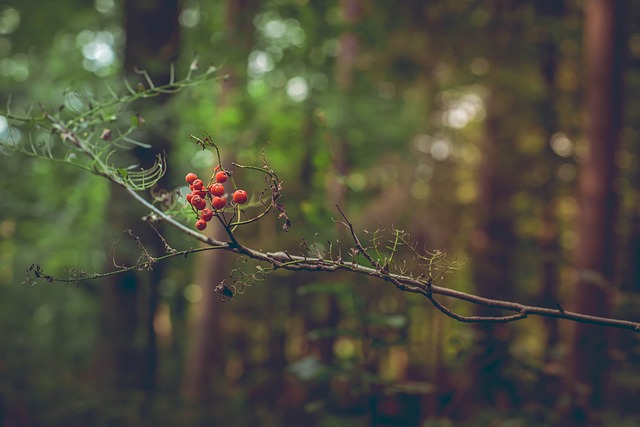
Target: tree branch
284	260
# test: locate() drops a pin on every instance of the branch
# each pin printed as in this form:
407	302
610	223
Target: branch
283	260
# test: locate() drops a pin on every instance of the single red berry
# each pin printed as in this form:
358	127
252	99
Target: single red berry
221	176
217	168
201	205
201	193
188	197
198	184
218	202
198	202
240	197
216	189
191	187
206	214
201	224
190	178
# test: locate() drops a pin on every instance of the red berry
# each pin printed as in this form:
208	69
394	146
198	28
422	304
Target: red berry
240	197
216	189
221	176
188	197
206	214
190	178
201	224
201	193
198	202
198	184
218	202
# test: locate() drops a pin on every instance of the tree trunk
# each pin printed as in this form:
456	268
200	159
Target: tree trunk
205	355
551	12
493	241
130	300
588	360
493	245
336	190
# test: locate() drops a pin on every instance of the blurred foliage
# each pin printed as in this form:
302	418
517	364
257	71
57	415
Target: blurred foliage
413	121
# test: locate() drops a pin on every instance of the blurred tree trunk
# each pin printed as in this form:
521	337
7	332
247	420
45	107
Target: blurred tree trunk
551	12
493	241
351	12
336	189
437	372
492	245
588	360
205	355
127	349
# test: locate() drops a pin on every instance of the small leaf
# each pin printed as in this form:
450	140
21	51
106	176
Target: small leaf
123	173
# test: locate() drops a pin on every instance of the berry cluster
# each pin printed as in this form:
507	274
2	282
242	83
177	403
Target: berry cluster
214	194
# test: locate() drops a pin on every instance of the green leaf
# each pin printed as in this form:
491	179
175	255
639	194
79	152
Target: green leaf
123	173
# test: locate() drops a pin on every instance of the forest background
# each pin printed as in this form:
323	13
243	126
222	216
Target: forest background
479	128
